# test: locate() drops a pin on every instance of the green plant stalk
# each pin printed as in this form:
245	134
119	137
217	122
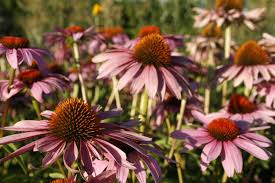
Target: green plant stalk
115	89
134	106
227	46
96	95
7	103
60	167
110	101
36	107
142	110
179	167
224	178
207	94
77	64
178	127
149	108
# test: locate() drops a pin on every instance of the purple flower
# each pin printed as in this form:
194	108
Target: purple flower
150	64
266	89
240	108
224	137
174	41
251	63
36	82
75	130
17	50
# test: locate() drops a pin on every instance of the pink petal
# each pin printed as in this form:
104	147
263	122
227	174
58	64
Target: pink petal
11	55
18	152
122	174
151	82
52	156
252	148
20	137
215	150
70	154
227	161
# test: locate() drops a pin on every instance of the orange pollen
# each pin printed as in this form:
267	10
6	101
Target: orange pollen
14	42
74	120
223	129
250	53
74	29
239	104
30	76
63	181
150	29
212	30
152	49
230	4
110	32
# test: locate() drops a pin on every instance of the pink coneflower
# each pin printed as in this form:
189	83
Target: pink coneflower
108	176
111	36
174	41
251	63
240	108
148	64
57	40
266	89
228	12
76	130
68	180
139	158
36	82
17	50
171	105
88	72
223	137
268	43
210	39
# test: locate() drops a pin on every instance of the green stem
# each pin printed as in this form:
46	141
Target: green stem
115	89
134	106
110	101
149	109
178	127
179	167
207	94
142	110
96	95
227	46
77	63
36	107
224	178
61	167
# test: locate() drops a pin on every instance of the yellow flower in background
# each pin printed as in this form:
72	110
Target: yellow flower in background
97	9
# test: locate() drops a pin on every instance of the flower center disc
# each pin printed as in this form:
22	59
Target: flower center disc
150	29
110	32
230	4
63	181
212	30
250	53
74	29
223	129
239	104
74	120
14	42
152	49
30	76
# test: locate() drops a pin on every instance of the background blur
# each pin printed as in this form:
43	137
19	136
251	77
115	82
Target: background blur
32	18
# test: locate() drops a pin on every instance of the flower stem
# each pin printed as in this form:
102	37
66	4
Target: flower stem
110	101
36	107
224	178
178	127
142	110
77	64
134	106
96	95
115	89
207	94
7	103
227	46
179	167
60	167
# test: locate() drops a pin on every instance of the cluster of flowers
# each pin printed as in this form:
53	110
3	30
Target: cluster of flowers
104	151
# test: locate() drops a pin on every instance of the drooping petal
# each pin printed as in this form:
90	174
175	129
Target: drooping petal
20	137
70	154
53	155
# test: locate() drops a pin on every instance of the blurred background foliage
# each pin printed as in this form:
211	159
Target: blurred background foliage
32	18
